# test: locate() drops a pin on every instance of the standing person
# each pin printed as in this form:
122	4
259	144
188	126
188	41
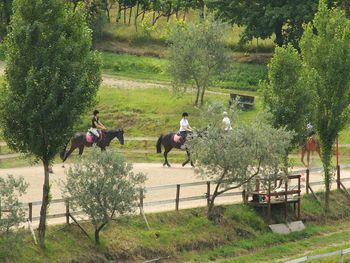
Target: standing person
184	126
226	122
96	125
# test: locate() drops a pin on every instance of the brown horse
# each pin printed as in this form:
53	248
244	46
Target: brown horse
311	145
79	141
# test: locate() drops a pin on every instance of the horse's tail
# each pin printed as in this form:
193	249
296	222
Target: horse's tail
63	152
159	144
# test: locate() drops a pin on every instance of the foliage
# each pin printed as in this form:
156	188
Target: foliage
263	18
12	215
232	159
196	54
104	187
5	16
285	95
325	48
52	76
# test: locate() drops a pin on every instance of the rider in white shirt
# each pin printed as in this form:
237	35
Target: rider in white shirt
184	126
226	123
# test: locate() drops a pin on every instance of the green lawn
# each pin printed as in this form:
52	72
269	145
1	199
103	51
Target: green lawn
187	236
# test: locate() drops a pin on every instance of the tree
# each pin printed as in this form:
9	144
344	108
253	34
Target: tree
325	47
12	215
285	95
261	18
232	159
196	53
52	76
104	187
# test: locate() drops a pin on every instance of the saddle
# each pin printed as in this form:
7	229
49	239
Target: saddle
90	137
178	139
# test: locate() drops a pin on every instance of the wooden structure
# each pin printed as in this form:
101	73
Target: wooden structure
286	195
245	102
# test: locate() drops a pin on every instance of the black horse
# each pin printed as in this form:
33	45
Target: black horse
169	143
79	141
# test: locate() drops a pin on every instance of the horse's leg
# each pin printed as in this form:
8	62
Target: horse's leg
81	149
303	150
69	153
308	159
188	158
166	159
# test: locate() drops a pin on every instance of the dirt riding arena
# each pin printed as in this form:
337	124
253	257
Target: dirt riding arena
157	176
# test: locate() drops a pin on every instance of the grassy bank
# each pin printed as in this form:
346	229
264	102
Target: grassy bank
240	76
187	235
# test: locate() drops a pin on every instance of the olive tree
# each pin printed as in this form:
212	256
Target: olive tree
52	77
197	53
325	47
103	186
12	215
232	159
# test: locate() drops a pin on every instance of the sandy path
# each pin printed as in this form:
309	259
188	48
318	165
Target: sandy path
156	176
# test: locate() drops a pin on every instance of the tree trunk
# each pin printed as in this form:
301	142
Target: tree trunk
202	95
97	237
130	14
278	32
137	14
326	160
44	205
201	8
124	12
117	19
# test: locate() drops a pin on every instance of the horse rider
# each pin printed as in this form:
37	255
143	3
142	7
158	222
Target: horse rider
184	126
226	122
96	125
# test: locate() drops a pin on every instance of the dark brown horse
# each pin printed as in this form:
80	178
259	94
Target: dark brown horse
311	145
79	141
169	143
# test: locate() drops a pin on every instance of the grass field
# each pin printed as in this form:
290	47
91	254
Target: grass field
188	236
240	76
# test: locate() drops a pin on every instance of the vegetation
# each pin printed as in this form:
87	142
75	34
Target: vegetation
188	236
11	215
104	187
232	159
47	89
196	54
326	56
285	95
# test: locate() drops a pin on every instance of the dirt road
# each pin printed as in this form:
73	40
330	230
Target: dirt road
157	176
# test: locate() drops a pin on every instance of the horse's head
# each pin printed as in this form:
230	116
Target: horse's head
120	136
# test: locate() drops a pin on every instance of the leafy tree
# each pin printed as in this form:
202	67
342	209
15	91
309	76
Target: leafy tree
285	95
104	187
197	53
52	76
232	159
325	48
12	215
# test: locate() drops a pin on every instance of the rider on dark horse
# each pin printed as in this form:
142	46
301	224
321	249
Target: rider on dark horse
184	127
96	125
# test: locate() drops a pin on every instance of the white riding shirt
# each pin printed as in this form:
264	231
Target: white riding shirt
184	125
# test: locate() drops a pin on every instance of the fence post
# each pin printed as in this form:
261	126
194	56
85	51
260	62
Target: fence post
338	177
177	200
30	205
307	180
141	198
208	193
67	212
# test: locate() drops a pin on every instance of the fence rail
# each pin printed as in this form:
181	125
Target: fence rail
340	253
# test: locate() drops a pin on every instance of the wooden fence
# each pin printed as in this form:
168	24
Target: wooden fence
176	198
340	253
